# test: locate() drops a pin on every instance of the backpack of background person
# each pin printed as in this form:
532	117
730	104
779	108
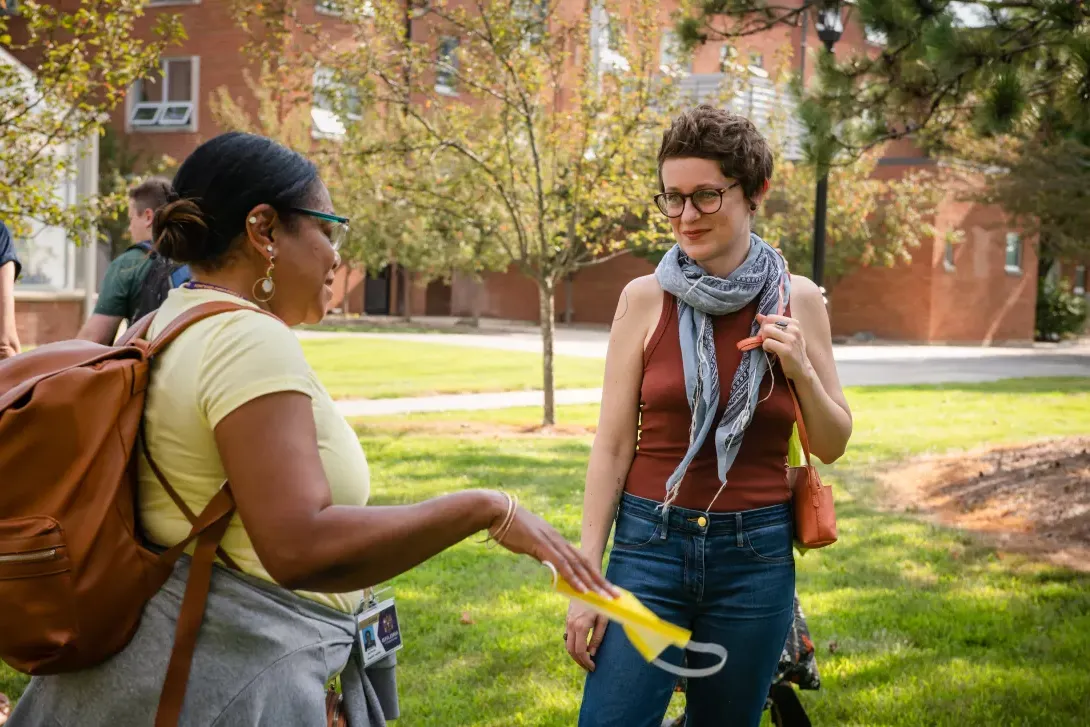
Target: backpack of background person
163	275
74	572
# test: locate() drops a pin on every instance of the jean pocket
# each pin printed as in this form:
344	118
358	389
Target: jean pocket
770	544
634	533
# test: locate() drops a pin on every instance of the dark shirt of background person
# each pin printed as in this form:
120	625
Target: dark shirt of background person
120	293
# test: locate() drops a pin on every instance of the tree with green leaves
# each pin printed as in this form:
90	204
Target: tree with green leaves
1004	84
120	167
537	128
870	222
82	59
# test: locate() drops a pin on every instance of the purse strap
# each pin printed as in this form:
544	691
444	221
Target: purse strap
803	439
748	344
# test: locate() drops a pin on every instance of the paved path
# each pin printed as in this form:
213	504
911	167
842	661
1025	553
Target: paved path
858	365
462	402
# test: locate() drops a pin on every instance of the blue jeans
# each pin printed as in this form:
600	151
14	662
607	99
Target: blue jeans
730	582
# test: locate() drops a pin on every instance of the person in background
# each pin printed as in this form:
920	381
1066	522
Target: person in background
9	273
120	298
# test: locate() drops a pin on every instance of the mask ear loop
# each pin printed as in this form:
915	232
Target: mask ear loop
705	648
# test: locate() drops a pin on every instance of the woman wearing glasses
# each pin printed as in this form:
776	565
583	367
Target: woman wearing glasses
234	399
689	461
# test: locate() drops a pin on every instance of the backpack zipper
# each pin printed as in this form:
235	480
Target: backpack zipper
33	556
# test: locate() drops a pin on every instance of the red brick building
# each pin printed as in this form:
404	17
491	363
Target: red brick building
983	291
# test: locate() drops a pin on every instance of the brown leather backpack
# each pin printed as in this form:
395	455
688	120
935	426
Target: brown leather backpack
74	572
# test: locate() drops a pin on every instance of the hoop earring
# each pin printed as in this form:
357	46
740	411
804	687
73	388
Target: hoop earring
266	284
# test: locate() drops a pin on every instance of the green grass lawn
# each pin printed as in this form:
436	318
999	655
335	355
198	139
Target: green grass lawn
376	368
929	628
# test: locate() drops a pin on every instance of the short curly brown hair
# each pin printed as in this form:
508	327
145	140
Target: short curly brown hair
707	132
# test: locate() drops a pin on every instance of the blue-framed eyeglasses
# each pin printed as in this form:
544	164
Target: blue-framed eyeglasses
340	225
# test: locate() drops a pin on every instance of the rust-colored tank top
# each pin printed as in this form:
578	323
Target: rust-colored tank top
758	477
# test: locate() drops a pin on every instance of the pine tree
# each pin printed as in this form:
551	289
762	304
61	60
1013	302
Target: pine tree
1004	84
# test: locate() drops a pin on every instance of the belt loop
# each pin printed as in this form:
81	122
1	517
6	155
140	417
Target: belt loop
665	522
738	528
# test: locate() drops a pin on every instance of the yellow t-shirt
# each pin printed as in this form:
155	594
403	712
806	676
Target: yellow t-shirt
214	367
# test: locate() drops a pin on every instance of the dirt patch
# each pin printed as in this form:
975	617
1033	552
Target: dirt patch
475	430
1032	499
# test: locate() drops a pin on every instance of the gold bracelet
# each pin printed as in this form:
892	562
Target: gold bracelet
508	522
510	507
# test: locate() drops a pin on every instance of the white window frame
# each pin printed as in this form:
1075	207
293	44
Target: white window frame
440	61
322	7
326	123
328	7
155	123
1080	272
725	60
1015	239
670	54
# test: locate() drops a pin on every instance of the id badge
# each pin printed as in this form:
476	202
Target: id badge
379	631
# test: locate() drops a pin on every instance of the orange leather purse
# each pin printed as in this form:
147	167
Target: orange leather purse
814	514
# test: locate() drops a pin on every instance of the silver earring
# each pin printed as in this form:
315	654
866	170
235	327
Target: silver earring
269	248
253	220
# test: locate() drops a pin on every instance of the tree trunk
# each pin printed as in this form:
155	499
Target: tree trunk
344	296
475	303
569	299
406	294
546	290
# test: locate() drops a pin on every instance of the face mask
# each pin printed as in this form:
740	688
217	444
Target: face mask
647	632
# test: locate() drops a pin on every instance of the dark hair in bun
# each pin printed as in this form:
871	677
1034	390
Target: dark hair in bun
217	186
180	231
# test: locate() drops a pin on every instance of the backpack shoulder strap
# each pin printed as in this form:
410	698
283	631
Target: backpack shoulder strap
172	331
194	315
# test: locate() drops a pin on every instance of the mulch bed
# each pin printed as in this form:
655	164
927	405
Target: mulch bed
1032	499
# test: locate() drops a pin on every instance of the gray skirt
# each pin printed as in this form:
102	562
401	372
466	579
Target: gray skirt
263	657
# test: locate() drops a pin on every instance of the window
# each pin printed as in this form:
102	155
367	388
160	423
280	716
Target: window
338	8
332	103
727	56
756	60
948	256
532	15
1014	252
1080	280
174	2
603	42
167	101
9	7
446	71
670	55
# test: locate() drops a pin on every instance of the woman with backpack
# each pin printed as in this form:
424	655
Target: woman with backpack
701	507
232	399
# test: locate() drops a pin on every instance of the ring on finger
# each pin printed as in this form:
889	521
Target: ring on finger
782	325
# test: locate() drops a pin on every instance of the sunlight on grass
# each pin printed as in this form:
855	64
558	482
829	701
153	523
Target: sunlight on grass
376	368
915	624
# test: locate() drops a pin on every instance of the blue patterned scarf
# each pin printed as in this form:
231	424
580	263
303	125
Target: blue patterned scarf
701	296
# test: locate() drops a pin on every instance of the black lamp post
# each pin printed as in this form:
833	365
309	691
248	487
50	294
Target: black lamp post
830	27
